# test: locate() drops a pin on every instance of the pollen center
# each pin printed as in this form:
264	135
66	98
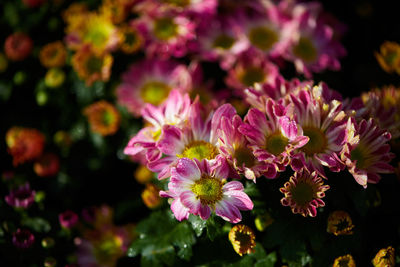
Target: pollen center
252	75
276	143
306	50
317	142
223	41
302	193
361	156
165	29
199	150
243	155
154	92
98	33
208	190
263	37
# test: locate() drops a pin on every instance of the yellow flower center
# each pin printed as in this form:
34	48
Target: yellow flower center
165	29
108	248
302	193
154	92
223	41
276	143
263	37
199	150
306	50
243	155
252	75
317	142
208	190
98	32
107	118
179	3
94	64
361	155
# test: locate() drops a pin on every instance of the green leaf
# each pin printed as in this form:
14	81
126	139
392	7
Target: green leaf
268	261
37	224
5	91
212	228
198	224
160	242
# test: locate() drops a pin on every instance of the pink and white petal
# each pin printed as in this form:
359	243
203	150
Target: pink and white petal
170	141
188	169
220	169
189	200
180	211
234	185
240	199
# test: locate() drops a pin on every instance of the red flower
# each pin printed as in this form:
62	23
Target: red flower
18	46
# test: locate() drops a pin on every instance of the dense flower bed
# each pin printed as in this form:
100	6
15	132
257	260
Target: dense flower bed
186	133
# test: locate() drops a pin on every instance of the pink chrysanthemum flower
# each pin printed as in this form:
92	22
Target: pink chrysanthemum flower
219	40
250	69
199	188
23	238
234	146
198	139
313	47
304	192
166	34
174	111
324	123
264	30
151	81
272	136
366	152
187	7
383	105
21	197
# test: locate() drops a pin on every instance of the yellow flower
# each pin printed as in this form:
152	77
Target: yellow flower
389	57
243	239
143	175
131	40
344	261
339	223
54	78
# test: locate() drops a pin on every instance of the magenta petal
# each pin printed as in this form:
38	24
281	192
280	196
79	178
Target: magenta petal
170	140
228	212
204	212
289	127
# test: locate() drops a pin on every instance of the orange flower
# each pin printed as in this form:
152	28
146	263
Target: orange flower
91	67
131	40
150	196
53	55
243	239
143	175
103	117
24	144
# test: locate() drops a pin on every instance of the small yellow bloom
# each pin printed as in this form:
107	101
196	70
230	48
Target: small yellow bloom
344	261
143	175
131	40
384	258
389	57
339	223
54	78
263	221
243	239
